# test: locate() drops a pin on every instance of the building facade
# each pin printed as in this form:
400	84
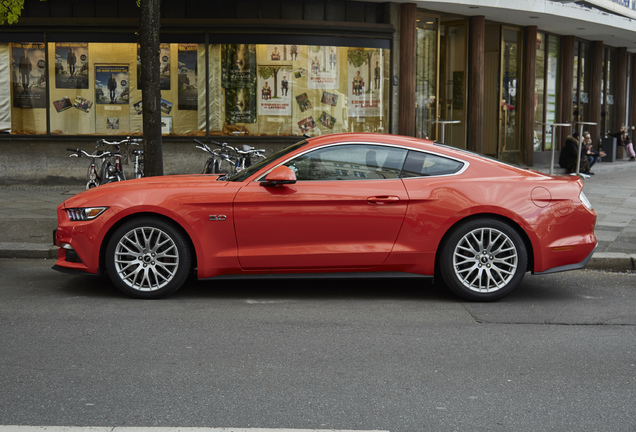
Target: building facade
477	75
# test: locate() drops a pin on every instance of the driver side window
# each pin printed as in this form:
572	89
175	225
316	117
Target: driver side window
349	162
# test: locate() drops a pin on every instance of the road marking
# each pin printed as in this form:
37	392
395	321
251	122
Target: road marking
161	429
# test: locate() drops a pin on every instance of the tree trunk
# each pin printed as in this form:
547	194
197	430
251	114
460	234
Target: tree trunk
151	92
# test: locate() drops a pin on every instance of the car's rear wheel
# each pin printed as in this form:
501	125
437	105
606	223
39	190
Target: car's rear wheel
148	258
483	259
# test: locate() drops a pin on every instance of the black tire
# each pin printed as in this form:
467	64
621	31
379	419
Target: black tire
483	259
209	167
148	258
105	173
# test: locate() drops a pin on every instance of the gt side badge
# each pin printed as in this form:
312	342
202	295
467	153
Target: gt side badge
217	217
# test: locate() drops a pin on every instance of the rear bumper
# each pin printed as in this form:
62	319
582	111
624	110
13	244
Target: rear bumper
575	266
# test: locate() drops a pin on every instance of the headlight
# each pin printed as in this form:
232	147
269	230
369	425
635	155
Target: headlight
586	202
84	214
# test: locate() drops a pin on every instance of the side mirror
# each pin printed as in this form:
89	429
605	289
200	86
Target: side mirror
281	175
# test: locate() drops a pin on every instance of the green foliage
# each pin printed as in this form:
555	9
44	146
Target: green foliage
267	72
10	11
357	57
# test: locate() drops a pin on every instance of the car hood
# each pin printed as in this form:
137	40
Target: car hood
110	191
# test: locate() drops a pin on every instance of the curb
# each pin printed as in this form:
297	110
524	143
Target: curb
609	261
613	261
27	250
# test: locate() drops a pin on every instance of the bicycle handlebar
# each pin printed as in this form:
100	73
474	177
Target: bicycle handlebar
80	152
247	150
127	140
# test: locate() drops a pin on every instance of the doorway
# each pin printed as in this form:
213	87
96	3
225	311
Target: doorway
502	93
441	79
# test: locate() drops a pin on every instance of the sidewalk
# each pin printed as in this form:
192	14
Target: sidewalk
28	216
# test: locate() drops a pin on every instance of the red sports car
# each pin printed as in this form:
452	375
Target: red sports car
368	204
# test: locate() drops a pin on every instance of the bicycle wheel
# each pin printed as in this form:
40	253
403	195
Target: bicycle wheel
105	172
209	166
139	173
223	167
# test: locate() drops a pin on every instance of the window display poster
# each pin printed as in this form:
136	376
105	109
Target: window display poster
274	86
238	65
240	106
307	124
164	66
364	82
282	53
71	65
28	75
111	84
322	63
188	89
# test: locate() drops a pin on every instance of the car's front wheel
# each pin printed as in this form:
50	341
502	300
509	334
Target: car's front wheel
483	259
148	258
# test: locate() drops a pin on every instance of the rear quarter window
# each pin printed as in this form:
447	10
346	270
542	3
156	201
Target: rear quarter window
420	164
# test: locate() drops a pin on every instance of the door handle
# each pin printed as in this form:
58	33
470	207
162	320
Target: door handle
384	199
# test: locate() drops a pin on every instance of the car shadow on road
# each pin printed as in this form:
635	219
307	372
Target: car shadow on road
302	288
533	289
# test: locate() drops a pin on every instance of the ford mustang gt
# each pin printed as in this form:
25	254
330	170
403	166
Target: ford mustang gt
361	204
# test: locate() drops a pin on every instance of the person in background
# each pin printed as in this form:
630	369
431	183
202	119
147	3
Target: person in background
624	140
569	155
112	87
24	65
589	151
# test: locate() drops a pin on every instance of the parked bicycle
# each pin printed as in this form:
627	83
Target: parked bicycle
95	175
138	167
111	167
115	168
227	159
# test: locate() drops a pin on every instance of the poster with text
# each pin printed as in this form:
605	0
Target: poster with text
322	64
274	90
188	75
240	106
238	65
364	81
164	66
238	78
71	65
111	84
28	75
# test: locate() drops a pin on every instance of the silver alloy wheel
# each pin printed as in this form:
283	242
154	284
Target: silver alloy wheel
485	260
146	258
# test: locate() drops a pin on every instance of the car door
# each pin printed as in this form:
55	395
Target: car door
344	212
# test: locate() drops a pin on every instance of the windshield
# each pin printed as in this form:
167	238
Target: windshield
242	175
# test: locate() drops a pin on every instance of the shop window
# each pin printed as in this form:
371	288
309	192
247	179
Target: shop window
546	89
539	89
297	89
608	106
426	87
582	84
27	84
93	88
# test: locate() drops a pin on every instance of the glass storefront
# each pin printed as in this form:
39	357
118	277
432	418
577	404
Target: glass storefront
510	119
426	95
454	77
608	108
582	85
546	89
440	77
74	88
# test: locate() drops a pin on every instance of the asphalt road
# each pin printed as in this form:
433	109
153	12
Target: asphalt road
559	354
